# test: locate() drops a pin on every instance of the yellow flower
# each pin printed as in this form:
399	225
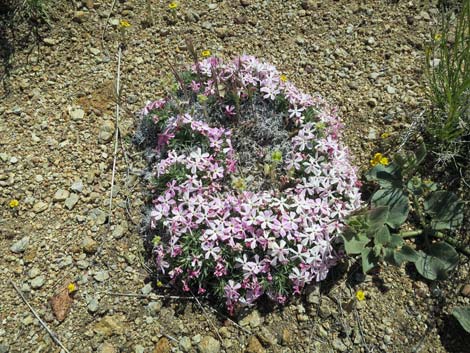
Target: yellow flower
385	135
159	284
360	295
437	36
14	203
124	24
379	159
276	156
206	53
283	78
72	287
173	5
239	184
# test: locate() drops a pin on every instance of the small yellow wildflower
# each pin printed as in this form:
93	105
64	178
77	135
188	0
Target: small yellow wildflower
379	159
276	156
437	36
206	53
283	78
14	203
385	135
124	24
239	184
360	295
159	284
173	5
72	287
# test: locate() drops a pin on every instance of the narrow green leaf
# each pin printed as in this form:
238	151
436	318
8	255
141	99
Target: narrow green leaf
462	314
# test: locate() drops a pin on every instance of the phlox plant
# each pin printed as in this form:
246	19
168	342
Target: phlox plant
250	183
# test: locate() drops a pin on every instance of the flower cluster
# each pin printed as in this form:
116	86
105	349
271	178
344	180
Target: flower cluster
213	232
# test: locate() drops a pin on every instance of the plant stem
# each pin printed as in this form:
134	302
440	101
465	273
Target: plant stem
414	233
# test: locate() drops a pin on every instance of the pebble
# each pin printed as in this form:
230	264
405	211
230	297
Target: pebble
76	113
387	339
254	346
106	131
154	308
372	102
209	344
110	324
95	51
93	305
253	319
163	346
106	348
371	40
339	346
61	195
71	201
119	231
391	90
101	276
147	289
185	344
13	160
4	348
50	42
40	207
77	186
89	245
267	337
465	291
37	282
139	349
20	246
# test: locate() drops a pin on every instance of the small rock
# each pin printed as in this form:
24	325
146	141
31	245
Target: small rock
98	216
374	75
101	276
110	325
254	346
154	308
20	246
253	319
71	201
40	207
185	344
106	348
147	289
391	90
119	231
196	339
37	282
267	337
13	160
372	102
89	4
139	349
339	346
287	337
61	195
245	2
372	134
225	332
387	339
206	25
95	51
4	348
308	4
76	113
370	41
212	6
3	157
163	346
209	344
300	40
50	42
79	16
89	245
106	131
93	305
77	186
465	291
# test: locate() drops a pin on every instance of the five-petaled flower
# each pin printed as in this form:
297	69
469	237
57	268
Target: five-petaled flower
173	5
360	295
206	53
124	24
14	203
379	159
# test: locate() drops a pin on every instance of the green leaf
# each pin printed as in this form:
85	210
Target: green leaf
354	243
462	314
386	176
395	241
406	253
369	260
397	202
377	216
445	209
382	235
439	259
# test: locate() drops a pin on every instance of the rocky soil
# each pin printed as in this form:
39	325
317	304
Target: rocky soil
57	127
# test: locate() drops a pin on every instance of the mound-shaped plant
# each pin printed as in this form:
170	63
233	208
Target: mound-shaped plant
250	183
